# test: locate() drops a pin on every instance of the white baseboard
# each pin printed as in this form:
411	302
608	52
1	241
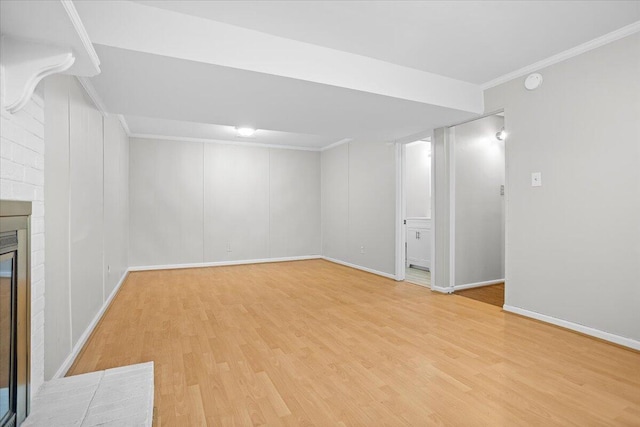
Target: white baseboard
62	371
617	339
447	290
359	267
477	284
221	263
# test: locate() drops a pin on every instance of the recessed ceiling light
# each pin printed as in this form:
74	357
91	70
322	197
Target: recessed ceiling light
245	131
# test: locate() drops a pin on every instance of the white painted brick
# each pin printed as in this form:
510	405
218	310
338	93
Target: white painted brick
33	142
37	289
20	155
37	273
38	257
27	122
6	190
36	111
38	306
34	176
37	224
22	178
11	131
11	171
37	242
6	149
38	194
37	161
37	209
22	191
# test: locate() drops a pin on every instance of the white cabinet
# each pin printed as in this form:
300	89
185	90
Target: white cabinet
419	242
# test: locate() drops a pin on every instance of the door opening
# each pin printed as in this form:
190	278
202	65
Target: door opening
416	207
477	239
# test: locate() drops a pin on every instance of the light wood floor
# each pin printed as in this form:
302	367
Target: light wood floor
493	294
315	343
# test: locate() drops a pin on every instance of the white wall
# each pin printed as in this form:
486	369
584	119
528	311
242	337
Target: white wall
418	180
573	245
479	216
86	195
22	178
358	204
195	202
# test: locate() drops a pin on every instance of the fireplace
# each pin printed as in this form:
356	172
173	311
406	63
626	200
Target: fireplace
15	302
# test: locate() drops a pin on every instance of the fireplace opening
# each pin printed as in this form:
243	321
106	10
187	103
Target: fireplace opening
15	301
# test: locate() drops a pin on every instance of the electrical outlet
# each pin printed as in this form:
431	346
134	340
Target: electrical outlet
362	249
228	246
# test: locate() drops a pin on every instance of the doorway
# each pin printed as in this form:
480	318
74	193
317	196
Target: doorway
477	239
416	208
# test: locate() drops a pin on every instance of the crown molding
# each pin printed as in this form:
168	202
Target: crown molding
124	124
567	54
91	91
220	141
335	144
82	32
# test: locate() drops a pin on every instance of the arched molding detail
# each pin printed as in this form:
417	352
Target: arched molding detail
24	64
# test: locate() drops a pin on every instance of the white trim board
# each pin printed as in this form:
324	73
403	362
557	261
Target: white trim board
82	33
335	144
92	94
220	141
477	284
71	358
359	267
567	54
616	339
124	124
221	263
447	290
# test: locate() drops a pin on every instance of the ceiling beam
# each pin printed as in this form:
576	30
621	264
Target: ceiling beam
136	27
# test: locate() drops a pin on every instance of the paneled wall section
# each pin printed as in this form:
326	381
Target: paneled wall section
197	202
86	197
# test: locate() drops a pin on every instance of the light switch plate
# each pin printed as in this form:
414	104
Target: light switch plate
536	179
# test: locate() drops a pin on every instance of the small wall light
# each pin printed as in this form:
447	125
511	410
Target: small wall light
502	135
245	132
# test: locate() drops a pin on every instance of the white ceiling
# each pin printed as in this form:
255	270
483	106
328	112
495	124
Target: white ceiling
311	73
473	41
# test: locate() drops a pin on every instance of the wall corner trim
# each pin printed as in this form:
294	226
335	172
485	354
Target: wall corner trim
91	92
567	54
124	124
71	358
606	336
359	267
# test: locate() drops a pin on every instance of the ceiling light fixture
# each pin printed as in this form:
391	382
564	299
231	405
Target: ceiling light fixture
501	135
245	132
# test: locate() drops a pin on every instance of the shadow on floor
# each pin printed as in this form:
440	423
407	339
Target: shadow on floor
493	294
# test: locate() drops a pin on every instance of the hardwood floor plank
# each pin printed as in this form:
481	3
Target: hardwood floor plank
315	343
